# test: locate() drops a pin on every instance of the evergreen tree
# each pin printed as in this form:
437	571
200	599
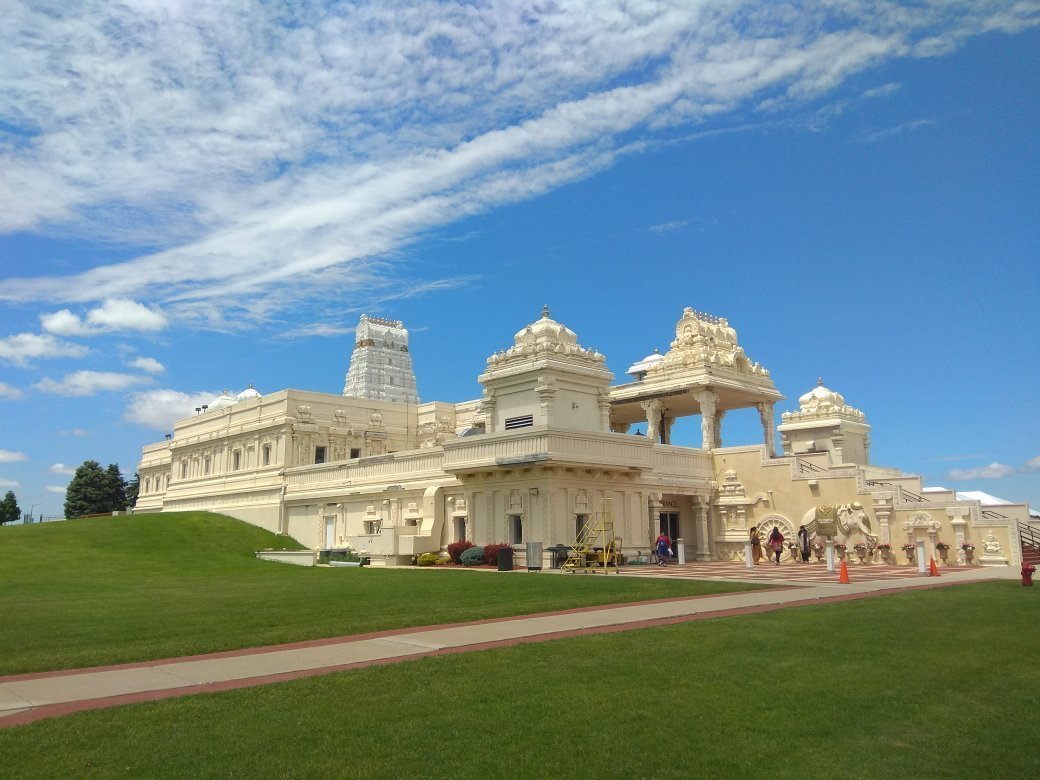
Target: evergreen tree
115	489
86	493
9	511
133	487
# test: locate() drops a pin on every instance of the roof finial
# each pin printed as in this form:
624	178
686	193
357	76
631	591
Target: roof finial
545	311
819	381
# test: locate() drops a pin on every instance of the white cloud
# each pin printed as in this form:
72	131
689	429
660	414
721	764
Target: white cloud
992	471
9	483
265	149
23	347
9	393
1033	464
56	489
85	383
74	432
115	314
669	227
160	409
905	127
6	456
61	468
148	365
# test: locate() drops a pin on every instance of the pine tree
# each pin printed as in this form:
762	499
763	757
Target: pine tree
9	511
133	487
115	489
86	493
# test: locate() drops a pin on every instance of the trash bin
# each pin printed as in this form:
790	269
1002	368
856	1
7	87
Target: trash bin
505	558
534	556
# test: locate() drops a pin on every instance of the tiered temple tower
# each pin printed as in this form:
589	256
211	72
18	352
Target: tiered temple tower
381	367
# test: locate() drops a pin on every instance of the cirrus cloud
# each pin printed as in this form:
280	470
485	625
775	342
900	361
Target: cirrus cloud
6	456
87	383
992	471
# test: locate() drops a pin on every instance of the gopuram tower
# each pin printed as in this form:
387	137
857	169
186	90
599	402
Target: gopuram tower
380	366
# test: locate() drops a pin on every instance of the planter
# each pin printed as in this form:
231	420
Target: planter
969	556
944	554
861	553
886	556
840	554
911	556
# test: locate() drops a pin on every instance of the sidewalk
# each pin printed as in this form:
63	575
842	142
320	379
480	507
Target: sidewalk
31	697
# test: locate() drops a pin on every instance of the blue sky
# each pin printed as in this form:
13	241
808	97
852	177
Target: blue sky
198	197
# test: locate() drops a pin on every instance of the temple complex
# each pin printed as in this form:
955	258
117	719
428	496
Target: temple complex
547	446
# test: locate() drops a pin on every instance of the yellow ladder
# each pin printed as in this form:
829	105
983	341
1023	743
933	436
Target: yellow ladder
597	532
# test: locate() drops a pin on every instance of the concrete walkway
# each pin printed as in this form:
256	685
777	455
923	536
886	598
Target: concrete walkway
30	697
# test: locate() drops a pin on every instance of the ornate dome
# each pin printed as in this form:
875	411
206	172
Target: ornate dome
820	398
640	367
249	393
822	402
223	401
545	337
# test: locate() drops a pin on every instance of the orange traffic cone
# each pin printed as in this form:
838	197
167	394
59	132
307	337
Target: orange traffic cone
933	570
843	578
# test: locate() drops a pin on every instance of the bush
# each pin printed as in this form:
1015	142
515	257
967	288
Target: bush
455	549
428	559
491	552
472	556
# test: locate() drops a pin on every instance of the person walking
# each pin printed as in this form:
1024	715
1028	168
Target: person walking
776	543
663	545
756	546
803	543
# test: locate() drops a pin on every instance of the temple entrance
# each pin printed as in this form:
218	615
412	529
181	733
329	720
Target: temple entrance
330	531
669	523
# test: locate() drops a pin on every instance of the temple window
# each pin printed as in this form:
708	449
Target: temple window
355	452
319	455
580	521
236	460
266	454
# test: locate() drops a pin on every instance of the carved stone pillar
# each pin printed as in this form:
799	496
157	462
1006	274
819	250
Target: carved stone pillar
883	513
707	400
765	414
604	411
654	517
700	510
958	519
653	418
546	397
666	429
717	428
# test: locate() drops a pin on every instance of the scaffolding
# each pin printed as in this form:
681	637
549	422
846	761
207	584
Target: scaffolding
596	548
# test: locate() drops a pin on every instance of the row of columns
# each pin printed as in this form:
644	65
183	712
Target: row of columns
659	422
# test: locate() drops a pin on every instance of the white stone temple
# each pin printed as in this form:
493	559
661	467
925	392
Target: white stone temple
548	445
380	366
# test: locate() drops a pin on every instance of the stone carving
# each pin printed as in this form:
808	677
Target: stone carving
992	553
840	520
701	339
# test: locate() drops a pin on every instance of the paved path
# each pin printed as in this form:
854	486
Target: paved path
31	697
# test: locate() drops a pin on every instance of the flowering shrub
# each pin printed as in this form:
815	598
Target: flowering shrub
942	546
472	556
427	559
860	545
884	546
968	547
455	549
908	547
839	546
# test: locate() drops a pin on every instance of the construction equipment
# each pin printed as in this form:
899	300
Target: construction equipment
596	548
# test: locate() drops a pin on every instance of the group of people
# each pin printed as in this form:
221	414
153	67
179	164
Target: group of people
776	544
775	541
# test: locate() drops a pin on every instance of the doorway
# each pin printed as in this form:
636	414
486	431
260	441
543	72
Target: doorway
669	523
330	531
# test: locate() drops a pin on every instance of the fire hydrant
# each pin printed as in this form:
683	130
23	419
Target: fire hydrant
1027	573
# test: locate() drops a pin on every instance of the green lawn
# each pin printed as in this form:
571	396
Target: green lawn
934	683
111	590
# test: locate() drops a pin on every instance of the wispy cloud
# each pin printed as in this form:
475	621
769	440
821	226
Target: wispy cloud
888	132
9	483
9	393
21	348
79	432
669	227
992	471
115	314
61	468
87	383
60	489
147	364
6	456
1033	464
265	148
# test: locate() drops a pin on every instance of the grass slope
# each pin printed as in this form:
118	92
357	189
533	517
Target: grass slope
121	589
937	683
